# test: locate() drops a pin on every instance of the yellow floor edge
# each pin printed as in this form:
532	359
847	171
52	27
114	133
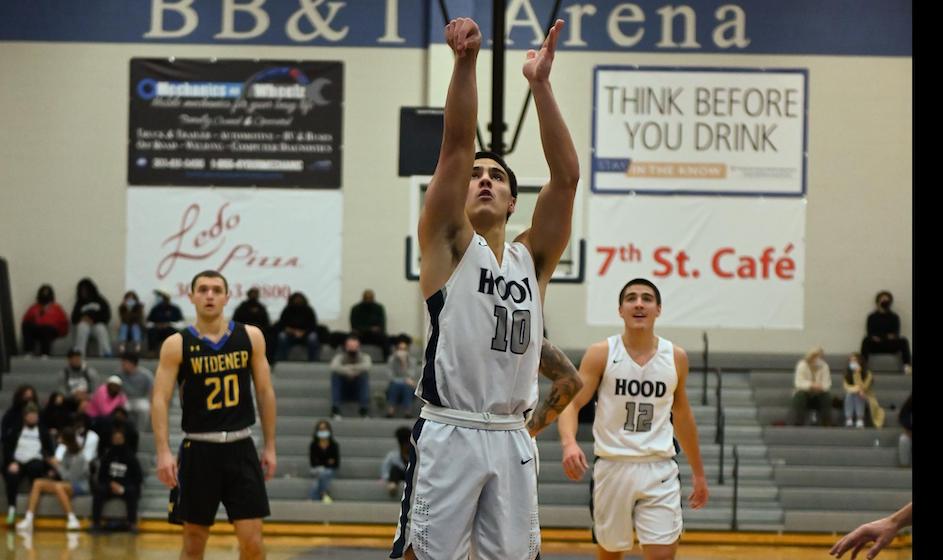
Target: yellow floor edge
549	535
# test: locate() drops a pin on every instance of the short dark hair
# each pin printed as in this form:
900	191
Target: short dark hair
208	274
643	282
512	178
73	352
877	298
130	356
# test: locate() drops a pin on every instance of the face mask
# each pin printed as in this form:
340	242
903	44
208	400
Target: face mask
854	366
44	298
885	304
129	302
324	434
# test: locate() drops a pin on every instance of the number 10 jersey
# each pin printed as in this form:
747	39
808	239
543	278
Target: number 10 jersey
485	333
633	410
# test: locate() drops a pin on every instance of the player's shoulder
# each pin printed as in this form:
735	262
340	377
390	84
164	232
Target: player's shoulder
172	348
597	352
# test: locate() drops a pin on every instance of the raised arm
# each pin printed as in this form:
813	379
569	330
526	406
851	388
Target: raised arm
554	365
171	353
444	230
550	228
591	369
264	398
686	430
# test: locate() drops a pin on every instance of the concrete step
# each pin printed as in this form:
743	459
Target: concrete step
833	456
833	436
823	521
843	499
862	478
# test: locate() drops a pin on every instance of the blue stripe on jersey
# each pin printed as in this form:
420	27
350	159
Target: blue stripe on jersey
430	392
397	551
214	345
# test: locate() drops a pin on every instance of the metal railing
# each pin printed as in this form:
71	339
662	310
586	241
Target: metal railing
704	390
734	524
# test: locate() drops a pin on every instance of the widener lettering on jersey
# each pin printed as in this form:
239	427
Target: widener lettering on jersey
221	362
634	388
517	291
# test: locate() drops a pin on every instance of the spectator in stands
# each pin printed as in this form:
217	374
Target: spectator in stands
349	374
107	398
253	312
117	420
813	379
68	478
393	470
88	438
324	454
136	382
403	371
162	321
131	317
79	380
91	315
12	421
905	442
56	414
298	325
884	332
43	322
368	321
119	476
25	455
859	392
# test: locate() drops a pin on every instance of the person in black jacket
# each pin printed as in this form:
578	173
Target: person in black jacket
253	312
91	315
884	332
12	421
56	415
119	476
298	325
26	452
905	442
325	458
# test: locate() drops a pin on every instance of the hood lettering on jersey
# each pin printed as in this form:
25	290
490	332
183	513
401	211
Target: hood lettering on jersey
634	388
517	291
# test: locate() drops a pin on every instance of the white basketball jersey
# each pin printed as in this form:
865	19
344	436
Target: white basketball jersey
485	334
633	407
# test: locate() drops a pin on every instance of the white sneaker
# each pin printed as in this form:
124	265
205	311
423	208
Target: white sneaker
859	424
73	524
908	370
26	525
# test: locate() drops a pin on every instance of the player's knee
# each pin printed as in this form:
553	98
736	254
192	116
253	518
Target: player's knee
194	540
250	546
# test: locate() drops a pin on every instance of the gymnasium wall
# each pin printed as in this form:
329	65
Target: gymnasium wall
63	176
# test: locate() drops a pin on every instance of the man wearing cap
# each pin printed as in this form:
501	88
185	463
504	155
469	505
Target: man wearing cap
162	319
471	480
107	398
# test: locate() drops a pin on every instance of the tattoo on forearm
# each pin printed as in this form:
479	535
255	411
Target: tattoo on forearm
566	384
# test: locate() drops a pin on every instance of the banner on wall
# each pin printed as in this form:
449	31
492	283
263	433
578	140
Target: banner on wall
235	123
280	241
718	262
797	27
730	131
